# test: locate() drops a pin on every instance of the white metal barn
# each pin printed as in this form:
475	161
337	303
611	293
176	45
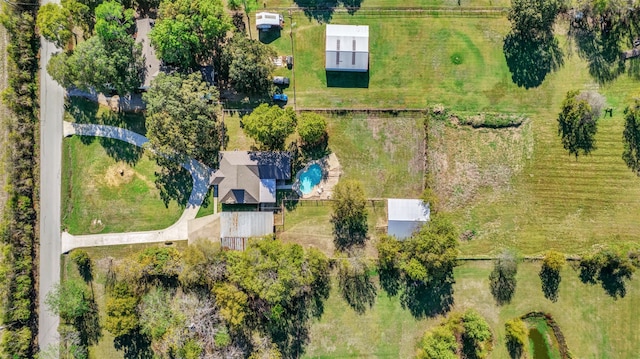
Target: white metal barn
268	20
347	48
405	216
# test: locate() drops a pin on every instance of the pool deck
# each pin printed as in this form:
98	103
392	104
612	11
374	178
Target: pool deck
331	172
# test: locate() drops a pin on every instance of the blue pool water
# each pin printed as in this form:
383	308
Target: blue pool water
310	178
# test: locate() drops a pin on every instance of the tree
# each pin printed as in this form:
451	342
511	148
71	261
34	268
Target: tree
113	21
54	24
552	264
476	335
439	343
577	125
610	268
232	302
312	128
530	48
270	126
84	263
188	32
503	278
421	267
516	337
349	217
182	121
250	65
95	66
121	315
69	300
631	137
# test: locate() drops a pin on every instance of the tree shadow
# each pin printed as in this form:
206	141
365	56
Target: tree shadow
515	349
173	182
349	234
121	151
610	270
601	47
530	59
352	5
358	291
390	280
588	271
428	299
550	283
320	10
88	325
503	285
82	111
135	346
316	151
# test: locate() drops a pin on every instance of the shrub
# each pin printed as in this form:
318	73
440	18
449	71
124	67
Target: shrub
516	337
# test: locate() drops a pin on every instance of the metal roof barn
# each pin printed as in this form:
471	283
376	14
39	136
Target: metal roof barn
237	227
347	48
268	20
405	216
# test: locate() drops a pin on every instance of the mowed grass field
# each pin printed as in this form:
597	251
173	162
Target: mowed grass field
532	195
414	62
365	4
93	189
594	324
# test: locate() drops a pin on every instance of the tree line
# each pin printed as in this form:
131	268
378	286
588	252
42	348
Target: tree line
18	229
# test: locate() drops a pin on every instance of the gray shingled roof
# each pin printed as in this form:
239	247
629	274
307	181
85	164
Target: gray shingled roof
249	177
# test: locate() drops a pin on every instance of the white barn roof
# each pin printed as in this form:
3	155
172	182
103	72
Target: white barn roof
405	216
347	48
267	19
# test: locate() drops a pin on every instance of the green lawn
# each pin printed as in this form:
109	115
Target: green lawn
93	189
594	324
412	66
397	3
513	188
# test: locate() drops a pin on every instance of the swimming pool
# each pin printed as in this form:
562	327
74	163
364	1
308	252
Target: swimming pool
310	178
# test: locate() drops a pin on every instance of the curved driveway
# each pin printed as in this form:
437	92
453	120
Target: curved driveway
200	174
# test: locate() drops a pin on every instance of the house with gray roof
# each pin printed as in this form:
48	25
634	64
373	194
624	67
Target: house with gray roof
250	177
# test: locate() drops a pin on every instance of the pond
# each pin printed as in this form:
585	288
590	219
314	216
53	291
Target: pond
538	344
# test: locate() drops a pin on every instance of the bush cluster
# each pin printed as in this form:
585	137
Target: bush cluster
18	231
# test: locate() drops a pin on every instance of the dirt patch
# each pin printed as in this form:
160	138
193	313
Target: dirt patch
119	174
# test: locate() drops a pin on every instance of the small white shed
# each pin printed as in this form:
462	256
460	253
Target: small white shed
268	20
347	48
405	216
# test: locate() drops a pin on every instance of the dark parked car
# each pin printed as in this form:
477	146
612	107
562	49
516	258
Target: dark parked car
281	80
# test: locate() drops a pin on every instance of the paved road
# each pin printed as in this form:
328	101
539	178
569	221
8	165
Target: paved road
51	114
200	174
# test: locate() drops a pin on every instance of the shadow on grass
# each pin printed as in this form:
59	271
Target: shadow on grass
610	269
134	346
88	325
88	112
356	287
269	36
320	10
345	79
601	47
531	58
173	182
428	299
550	283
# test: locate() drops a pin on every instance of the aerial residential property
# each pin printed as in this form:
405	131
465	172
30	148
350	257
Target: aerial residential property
300	179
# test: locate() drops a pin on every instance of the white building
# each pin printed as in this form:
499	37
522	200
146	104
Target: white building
347	48
268	20
405	216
